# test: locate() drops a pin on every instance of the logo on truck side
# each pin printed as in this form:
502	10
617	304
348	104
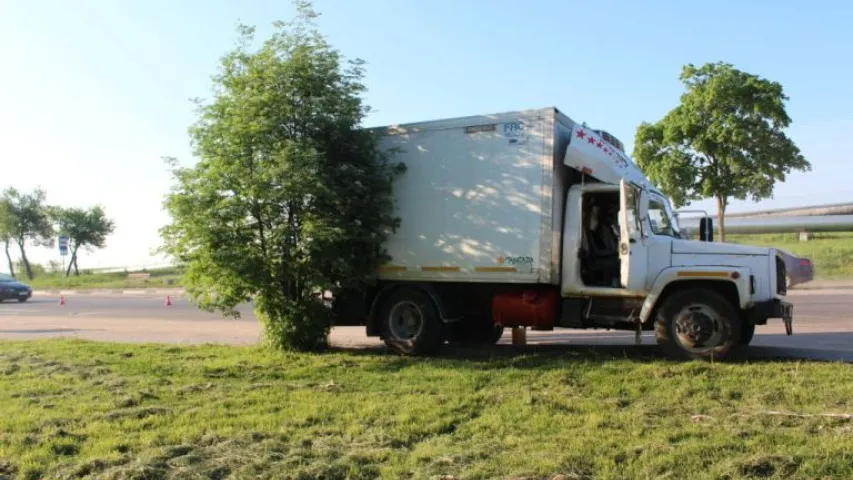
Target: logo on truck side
514	129
515	260
515	132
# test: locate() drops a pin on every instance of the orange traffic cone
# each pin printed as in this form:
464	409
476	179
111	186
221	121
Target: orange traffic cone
62	300
168	300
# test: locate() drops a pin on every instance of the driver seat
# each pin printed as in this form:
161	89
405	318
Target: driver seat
601	250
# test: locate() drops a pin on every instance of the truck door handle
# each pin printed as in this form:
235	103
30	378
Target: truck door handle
632	240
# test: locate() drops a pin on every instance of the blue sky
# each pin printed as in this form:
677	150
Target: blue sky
95	92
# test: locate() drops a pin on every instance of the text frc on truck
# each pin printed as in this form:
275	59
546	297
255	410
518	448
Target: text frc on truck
561	230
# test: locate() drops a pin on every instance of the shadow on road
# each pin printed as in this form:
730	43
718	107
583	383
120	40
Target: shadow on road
842	339
32	301
822	345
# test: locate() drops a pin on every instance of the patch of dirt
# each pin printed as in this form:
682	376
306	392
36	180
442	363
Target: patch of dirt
769	466
6	468
249	455
192	388
139	413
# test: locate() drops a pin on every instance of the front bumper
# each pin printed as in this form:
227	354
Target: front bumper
15	294
774	308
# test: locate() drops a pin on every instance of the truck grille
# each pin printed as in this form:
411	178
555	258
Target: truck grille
781	277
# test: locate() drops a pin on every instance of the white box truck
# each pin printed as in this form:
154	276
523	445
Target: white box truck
530	219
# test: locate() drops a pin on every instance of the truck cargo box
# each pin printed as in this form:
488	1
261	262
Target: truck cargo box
482	198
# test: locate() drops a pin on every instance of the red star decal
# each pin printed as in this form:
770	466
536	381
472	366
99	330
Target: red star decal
591	140
606	151
580	134
599	144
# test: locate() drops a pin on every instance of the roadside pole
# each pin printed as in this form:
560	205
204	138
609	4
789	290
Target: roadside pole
62	241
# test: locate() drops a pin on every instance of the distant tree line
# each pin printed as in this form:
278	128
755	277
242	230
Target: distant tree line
26	219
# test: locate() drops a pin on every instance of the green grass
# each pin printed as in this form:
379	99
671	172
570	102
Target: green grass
75	409
832	253
159	278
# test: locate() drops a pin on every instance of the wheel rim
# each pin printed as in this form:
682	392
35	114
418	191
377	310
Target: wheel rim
698	328
406	321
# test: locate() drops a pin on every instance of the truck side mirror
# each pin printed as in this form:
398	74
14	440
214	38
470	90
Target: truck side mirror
706	229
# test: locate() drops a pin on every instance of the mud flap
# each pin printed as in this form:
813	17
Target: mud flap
788	318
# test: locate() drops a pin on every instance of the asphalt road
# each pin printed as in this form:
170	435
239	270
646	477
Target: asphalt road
823	325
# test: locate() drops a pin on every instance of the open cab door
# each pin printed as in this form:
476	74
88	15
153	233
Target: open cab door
632	244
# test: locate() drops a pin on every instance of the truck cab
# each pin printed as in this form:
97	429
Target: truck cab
626	264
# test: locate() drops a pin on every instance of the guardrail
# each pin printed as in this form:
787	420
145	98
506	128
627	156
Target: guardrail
129	268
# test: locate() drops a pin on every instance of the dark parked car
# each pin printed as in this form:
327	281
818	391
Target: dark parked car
799	269
11	289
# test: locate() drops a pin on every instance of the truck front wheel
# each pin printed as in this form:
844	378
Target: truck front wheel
747	331
410	322
697	325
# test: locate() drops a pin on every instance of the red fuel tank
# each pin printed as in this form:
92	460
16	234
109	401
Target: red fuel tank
526	308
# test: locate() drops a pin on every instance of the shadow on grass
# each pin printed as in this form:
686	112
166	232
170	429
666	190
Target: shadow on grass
555	355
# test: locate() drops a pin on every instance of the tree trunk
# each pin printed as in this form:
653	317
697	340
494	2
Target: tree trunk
73	262
24	259
70	264
721	215
9	259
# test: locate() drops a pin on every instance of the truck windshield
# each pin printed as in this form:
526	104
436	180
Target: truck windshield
661	218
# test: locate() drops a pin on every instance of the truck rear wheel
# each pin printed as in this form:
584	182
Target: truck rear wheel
410	322
697	325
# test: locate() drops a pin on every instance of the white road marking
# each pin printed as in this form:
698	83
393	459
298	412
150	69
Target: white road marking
19	311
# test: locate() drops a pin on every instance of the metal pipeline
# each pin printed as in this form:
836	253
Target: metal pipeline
825	223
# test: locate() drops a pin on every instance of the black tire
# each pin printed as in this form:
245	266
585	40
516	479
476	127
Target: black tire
747	331
401	307
474	331
22	300
711	313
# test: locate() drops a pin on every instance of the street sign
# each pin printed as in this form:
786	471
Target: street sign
63	245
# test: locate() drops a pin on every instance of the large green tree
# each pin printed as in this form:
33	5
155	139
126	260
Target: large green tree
85	227
289	196
27	215
724	140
